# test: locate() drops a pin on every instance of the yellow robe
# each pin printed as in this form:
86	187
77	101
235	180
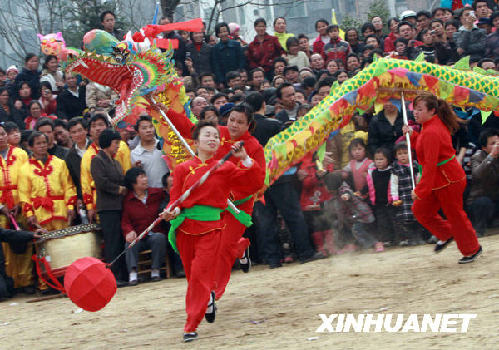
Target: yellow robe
47	190
17	266
16	158
87	183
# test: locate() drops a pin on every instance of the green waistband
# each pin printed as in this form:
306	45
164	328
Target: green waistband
203	213
445	161
241	201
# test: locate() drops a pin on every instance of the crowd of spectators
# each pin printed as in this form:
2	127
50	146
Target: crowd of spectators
322	206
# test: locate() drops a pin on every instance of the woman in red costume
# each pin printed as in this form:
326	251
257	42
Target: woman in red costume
196	224
443	179
233	245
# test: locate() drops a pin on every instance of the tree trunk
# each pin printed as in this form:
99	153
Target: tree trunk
168	7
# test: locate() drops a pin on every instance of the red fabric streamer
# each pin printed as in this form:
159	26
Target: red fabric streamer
195	25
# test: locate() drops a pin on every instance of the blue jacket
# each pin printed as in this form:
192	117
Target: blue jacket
226	57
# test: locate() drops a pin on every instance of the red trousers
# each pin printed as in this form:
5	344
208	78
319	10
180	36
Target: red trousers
457	225
232	247
198	254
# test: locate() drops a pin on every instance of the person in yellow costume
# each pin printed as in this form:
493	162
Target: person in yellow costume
18	264
46	189
98	123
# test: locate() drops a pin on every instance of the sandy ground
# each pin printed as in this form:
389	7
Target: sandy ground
278	309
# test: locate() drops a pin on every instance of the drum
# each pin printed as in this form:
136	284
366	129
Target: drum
62	247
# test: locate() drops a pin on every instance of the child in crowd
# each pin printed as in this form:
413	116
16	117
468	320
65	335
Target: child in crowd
408	226
383	194
354	173
336	48
13	134
313	195
358	165
353	211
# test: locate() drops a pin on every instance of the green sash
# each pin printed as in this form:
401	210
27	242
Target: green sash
445	161
202	213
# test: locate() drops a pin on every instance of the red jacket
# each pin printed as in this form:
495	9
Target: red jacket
262	54
215	191
251	144
337	50
389	43
434	145
318	46
314	191
136	215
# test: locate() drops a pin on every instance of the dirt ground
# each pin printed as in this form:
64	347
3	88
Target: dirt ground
278	309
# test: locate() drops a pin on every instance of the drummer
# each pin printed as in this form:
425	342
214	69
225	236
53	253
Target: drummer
46	190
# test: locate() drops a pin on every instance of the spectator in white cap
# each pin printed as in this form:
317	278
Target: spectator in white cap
409	16
12	72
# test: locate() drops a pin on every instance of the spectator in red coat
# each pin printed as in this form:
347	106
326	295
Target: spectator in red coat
393	25
323	38
263	49
140	209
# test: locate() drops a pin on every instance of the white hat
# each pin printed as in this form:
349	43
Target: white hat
407	14
13	67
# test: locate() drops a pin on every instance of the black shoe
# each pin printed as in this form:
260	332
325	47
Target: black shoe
471	258
121	283
275	265
210	316
245	263
315	256
441	246
156	279
188	337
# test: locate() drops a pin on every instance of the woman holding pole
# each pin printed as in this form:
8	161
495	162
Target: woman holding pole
232	245
443	180
196	221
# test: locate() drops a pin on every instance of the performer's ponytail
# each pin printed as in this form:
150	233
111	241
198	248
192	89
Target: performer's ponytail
442	109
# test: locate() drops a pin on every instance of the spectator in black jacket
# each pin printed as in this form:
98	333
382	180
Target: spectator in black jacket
30	74
226	55
198	52
7	110
71	102
385	128
265	127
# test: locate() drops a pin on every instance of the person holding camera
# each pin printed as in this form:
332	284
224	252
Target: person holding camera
470	40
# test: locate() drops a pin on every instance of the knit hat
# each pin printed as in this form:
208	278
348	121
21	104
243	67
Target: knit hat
13	67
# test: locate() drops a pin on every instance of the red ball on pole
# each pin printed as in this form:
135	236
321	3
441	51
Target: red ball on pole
89	284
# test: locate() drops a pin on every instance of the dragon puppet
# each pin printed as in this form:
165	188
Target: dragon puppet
142	75
147	82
